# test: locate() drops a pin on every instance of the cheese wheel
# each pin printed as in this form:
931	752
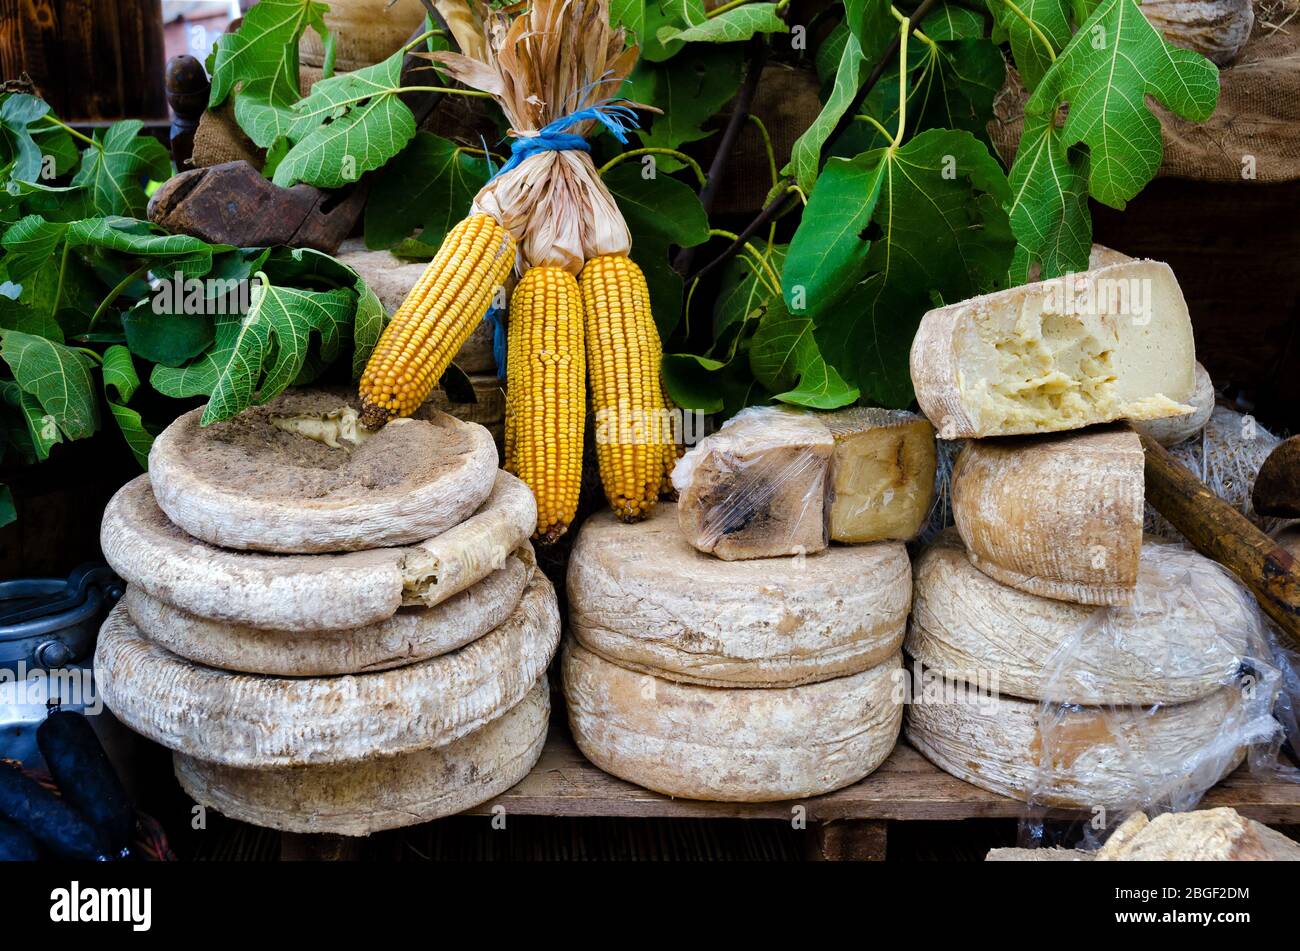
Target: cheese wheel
253	721
1188	631
1059	516
1083	757
309	592
1172	430
733	623
252	482
409	636
382	793
1114	342
731	745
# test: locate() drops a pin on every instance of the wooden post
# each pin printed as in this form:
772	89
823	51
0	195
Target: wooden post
850	840
1218	530
302	847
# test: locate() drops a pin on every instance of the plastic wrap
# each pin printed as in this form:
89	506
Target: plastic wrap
776	480
758	487
1107	710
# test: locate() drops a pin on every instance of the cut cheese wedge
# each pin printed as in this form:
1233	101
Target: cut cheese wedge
1059	516
757	487
1188	632
256	482
382	793
1111	343
410	635
741	745
640	596
1116	758
255	722
309	592
882	474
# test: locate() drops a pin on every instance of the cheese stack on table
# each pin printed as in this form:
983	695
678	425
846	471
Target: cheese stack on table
722	649
1060	657
333	632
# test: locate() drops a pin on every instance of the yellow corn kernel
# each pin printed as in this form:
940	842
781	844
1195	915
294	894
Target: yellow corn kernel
435	319
546	408
624	352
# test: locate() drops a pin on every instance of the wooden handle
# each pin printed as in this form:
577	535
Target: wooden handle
1219	531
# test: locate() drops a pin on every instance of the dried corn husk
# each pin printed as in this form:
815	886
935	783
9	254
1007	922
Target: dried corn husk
558	57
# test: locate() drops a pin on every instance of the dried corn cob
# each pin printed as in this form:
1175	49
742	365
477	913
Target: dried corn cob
436	319
624	353
546	367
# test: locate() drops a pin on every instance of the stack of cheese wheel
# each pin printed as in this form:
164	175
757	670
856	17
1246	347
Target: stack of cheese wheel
333	632
1063	659
753	680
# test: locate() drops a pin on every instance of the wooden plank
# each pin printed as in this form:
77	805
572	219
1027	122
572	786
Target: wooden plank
853	840
906	787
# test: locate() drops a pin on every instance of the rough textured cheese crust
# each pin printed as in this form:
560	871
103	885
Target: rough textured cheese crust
639	595
409	636
1207	835
1111	343
382	793
246	483
736	745
1113	757
252	721
1060	516
309	592
1185	635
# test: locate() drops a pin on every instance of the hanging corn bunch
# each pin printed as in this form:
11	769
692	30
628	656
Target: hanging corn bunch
554	69
435	319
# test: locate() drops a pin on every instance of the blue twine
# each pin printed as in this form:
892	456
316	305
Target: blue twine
614	116
552	137
495	314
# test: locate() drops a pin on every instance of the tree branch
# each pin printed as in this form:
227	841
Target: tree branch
726	145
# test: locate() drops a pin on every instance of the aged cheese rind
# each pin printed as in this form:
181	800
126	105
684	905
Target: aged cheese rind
1186	634
309	592
1111	343
391	278
731	745
1217	29
247	483
882	474
1207	835
381	793
756	488
408	636
640	596
1172	430
1059	516
1082	757
253	721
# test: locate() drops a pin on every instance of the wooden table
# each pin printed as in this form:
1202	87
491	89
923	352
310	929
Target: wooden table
849	824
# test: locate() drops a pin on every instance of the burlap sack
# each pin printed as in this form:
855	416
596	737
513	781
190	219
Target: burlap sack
1253	134
219	139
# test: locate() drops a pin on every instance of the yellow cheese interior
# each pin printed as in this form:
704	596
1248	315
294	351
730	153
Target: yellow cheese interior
883	481
1049	371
